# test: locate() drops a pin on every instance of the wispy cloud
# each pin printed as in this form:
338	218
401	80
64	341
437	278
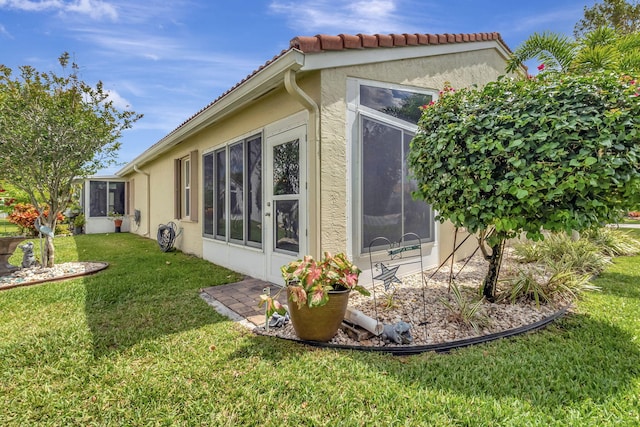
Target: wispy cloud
4	32
95	9
367	16
118	100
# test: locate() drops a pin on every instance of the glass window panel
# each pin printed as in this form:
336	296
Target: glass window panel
402	104
236	191
98	198
207	227
116	197
286	173
287	225
254	205
186	208
221	196
381	181
416	213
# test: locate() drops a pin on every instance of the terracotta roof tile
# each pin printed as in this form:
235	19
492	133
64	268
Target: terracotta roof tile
385	40
423	38
412	39
330	42
350	41
368	40
323	42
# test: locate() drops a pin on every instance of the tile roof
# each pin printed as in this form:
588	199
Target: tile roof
321	42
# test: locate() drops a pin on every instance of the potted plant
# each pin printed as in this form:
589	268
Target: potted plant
78	222
318	292
117	219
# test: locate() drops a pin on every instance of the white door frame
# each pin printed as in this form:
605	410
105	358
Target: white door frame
285	230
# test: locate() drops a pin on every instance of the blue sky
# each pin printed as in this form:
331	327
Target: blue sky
168	59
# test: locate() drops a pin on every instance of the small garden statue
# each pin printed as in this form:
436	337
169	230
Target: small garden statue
397	333
28	258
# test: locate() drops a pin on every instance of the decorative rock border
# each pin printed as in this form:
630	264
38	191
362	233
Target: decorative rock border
440	347
87	269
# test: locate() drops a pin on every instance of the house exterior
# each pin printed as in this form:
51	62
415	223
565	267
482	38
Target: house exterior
307	154
100	197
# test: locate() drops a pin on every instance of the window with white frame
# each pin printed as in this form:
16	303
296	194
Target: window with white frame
233	192
106	197
186	189
386	119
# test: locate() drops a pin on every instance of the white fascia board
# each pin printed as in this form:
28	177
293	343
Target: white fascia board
255	86
348	57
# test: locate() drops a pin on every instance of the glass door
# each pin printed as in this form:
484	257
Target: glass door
285	207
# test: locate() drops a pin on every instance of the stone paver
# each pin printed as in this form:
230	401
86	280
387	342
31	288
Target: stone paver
243	297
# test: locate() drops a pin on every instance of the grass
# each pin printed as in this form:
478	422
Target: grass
7	228
136	345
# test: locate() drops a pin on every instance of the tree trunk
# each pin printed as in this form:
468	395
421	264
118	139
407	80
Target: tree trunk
48	255
49	252
491	279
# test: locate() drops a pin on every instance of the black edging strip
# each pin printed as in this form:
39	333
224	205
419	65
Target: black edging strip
442	347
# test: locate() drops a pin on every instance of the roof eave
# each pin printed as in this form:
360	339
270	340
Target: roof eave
257	85
349	57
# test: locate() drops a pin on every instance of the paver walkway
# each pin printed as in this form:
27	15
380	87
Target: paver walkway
242	298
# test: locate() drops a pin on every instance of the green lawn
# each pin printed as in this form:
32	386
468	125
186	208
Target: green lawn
136	345
7	228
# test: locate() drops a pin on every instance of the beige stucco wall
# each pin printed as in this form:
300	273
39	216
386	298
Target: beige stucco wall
459	69
328	88
251	120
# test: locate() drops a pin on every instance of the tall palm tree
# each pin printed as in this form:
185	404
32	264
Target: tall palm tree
601	49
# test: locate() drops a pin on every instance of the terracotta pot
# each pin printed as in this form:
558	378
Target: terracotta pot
319	323
118	224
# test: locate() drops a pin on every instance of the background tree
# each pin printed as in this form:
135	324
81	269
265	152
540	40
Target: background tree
600	49
619	15
52	130
556	152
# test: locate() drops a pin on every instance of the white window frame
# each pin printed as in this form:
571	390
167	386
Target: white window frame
186	187
225	148
354	161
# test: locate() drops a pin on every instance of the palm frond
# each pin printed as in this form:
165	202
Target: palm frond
556	51
597	57
603	36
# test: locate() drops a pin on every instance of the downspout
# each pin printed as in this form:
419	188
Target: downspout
314	147
148	201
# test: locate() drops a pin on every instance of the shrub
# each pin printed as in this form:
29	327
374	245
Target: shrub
613	242
24	215
526	284
558	249
465	311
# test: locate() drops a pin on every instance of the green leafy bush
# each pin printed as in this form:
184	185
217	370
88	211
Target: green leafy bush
557	152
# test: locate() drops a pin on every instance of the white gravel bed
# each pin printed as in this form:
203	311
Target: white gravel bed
441	326
32	275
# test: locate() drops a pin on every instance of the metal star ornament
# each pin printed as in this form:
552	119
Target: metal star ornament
388	275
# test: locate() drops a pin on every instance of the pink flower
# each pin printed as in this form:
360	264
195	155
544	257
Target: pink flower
540	67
